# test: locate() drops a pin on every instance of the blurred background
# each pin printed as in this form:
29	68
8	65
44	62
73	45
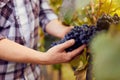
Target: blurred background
79	12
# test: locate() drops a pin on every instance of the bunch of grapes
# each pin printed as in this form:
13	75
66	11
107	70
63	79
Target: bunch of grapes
81	35
104	22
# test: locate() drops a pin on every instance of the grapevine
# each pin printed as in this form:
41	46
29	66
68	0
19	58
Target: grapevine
98	16
84	34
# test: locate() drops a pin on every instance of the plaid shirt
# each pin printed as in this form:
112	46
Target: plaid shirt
19	22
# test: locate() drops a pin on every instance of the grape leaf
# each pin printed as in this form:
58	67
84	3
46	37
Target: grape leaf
66	12
69	8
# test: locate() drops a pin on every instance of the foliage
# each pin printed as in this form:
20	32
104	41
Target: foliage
41	41
87	13
55	4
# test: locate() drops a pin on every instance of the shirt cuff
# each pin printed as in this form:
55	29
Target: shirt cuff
47	18
51	17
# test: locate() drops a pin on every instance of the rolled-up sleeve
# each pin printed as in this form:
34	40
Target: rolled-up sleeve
46	14
1	37
4	11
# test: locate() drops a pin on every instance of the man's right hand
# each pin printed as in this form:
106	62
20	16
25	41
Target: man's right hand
57	54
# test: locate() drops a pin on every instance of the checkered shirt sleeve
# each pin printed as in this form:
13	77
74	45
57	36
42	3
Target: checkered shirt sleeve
46	14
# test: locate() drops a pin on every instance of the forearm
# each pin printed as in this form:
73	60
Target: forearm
11	51
14	52
57	29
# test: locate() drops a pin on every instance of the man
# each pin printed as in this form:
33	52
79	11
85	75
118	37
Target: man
19	22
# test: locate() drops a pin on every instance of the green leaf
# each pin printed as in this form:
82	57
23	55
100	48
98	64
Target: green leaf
66	12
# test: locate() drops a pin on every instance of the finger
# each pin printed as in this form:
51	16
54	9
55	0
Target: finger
76	51
67	44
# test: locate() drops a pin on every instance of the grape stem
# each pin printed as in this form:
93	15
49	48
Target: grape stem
110	6
93	11
100	4
115	9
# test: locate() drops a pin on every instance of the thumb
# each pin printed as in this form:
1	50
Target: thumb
67	44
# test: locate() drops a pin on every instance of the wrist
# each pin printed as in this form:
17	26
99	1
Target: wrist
42	59
45	59
65	31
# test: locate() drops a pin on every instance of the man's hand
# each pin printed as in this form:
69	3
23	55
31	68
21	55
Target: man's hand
57	54
57	29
